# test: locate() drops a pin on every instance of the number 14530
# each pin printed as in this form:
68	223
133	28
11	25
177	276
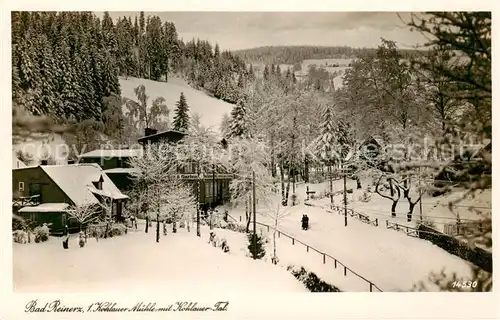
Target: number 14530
464	284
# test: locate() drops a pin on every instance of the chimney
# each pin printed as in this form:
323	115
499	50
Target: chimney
149	131
44	162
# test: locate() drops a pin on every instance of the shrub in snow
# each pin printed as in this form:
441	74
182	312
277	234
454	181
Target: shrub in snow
366	197
234	227
20	236
117	229
311	281
255	246
224	246
41	233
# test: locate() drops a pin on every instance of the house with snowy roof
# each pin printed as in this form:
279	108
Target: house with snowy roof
57	187
115	164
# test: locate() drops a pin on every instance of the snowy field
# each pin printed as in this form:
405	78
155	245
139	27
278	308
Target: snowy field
210	109
180	262
390	259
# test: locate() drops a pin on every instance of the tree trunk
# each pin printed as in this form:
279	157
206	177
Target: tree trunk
410	211
274	246
273	165
247	215
287	191
282	178
306	169
393	208
174	224
158	228
164	228
147	224
358	183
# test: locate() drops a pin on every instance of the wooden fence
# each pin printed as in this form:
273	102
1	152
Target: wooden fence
352	213
410	231
337	262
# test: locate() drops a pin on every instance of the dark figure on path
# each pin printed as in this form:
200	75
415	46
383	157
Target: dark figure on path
305	222
81	240
226	214
65	242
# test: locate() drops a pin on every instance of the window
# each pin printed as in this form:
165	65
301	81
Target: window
21	186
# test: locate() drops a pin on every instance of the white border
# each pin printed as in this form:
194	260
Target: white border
286	306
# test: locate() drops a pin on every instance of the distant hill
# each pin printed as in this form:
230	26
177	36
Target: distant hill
293	55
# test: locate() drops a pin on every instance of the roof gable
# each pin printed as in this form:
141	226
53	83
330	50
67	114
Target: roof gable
76	182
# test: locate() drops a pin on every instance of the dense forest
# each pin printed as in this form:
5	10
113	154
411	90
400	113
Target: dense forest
297	54
67	63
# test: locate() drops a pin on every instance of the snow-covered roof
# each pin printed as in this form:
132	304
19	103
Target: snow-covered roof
120	170
112	153
75	180
16	163
46	207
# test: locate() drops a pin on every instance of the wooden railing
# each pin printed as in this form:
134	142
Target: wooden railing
355	214
410	231
337	262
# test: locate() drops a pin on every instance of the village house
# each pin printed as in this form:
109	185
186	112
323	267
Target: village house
114	163
212	186
44	193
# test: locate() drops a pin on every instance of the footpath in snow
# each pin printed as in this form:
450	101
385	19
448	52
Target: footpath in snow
391	260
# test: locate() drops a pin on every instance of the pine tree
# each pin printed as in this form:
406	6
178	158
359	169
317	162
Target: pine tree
327	138
181	118
256	246
238	125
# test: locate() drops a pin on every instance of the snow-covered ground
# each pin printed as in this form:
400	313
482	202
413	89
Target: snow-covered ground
180	262
390	259
210	109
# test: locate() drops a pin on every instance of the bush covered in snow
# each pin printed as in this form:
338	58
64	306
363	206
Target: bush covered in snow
41	233
234	227
312	282
117	229
366	197
20	236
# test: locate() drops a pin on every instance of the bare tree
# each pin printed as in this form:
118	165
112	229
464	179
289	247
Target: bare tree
275	211
84	214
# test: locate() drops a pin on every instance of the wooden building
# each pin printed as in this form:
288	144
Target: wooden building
43	193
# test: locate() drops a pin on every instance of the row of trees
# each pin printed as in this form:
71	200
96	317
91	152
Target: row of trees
296	54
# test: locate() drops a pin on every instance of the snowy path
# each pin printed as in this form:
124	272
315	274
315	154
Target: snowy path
181	262
391	260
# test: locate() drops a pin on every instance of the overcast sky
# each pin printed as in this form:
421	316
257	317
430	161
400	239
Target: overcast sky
241	30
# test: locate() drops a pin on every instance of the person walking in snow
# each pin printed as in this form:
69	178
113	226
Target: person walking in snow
305	222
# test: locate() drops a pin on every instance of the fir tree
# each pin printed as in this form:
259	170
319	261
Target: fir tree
327	138
238	125
181	118
256	246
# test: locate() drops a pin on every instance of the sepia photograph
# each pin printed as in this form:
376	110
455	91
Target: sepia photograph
250	153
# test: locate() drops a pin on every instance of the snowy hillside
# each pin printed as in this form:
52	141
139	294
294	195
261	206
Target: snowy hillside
210	109
180	262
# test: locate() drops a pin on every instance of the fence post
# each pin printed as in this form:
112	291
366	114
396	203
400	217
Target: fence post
387	223
376	222
397	227
279	233
371	287
345	271
240	218
307	248
324	258
293	241
267	228
335	261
